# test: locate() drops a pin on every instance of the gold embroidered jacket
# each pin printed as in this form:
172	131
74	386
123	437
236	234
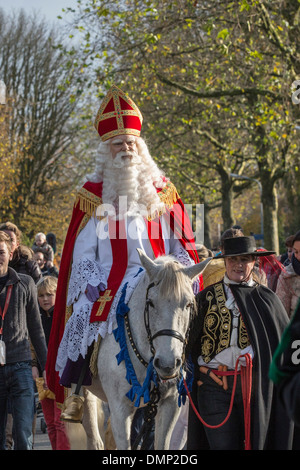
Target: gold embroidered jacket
217	323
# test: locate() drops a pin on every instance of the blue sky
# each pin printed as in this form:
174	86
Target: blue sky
49	9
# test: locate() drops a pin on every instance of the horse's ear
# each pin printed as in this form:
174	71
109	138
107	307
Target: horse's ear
147	263
197	269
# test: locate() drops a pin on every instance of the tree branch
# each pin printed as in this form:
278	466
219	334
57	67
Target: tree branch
219	145
218	93
275	37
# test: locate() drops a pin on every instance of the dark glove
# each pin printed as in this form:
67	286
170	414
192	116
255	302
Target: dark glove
92	292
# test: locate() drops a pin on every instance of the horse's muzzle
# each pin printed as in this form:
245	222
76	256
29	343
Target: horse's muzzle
167	371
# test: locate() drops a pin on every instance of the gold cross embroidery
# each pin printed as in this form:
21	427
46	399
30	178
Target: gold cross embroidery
106	297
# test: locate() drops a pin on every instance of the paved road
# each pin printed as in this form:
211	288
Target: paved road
41	440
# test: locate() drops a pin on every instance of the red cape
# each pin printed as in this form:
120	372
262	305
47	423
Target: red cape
87	201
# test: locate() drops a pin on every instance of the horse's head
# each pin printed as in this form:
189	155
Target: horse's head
170	304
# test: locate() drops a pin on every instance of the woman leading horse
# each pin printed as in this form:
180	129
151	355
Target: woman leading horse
238	320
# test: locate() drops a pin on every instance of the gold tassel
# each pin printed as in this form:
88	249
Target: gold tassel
88	202
168	196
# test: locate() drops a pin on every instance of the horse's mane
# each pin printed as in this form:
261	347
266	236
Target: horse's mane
173	282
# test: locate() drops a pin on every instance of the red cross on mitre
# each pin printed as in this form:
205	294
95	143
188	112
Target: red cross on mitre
118	115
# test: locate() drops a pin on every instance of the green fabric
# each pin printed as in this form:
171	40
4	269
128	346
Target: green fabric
275	373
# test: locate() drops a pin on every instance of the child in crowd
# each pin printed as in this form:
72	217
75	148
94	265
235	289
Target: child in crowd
46	289
40	244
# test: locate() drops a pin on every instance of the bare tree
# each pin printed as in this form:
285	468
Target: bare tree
43	94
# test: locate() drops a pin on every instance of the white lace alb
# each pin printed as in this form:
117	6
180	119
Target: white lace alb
79	333
84	272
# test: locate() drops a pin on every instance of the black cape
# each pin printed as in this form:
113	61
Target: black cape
265	319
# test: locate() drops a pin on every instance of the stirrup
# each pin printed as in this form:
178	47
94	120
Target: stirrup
73	409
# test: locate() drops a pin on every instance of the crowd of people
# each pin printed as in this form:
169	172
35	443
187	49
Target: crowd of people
33	274
244	299
280	274
261	290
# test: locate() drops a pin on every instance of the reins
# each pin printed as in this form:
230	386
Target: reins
149	416
151	407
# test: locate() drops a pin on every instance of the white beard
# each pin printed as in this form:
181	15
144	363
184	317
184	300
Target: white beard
126	187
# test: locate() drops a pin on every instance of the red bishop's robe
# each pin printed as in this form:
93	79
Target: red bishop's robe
87	201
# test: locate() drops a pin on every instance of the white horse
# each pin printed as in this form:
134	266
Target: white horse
159	316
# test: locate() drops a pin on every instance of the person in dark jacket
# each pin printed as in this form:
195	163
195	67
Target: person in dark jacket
285	371
46	270
20	320
233	337
51	240
22	260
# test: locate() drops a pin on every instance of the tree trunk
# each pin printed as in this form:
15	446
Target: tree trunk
292	189
270	205
227	199
207	227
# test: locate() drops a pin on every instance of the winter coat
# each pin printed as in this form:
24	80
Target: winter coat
22	320
288	289
23	263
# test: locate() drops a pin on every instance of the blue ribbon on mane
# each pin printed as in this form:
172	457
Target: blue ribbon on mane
138	391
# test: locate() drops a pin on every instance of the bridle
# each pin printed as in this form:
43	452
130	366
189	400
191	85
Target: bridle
151	408
164	332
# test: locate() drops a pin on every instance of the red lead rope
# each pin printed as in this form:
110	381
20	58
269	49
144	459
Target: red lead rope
246	380
3	313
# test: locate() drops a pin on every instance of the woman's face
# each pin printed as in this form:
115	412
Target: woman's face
239	268
296	249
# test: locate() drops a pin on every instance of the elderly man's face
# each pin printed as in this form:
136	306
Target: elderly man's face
239	268
122	143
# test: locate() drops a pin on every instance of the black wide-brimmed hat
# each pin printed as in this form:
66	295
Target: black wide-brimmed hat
241	246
